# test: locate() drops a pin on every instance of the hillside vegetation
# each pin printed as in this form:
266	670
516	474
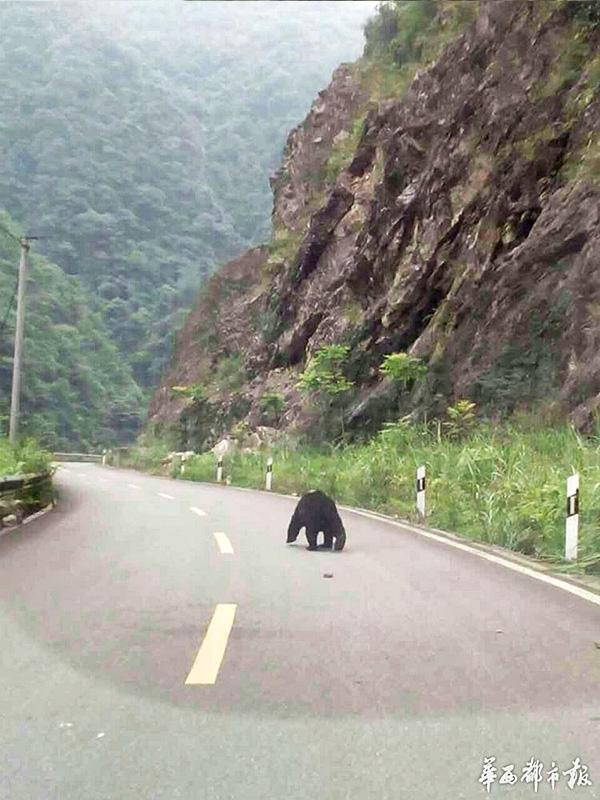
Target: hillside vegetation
139	140
76	390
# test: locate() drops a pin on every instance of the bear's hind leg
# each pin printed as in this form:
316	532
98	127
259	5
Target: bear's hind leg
311	536
328	540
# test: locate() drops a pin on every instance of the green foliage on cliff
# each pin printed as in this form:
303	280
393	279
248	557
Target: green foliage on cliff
398	29
272	405
407	31
342	153
402	368
324	373
76	390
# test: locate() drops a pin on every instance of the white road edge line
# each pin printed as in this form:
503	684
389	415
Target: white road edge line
538	576
166	496
225	545
584	594
198	511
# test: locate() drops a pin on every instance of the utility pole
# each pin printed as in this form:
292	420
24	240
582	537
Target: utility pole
16	381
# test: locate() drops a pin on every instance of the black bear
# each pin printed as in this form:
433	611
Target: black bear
316	512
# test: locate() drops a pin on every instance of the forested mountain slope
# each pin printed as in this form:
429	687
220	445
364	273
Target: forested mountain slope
76	390
139	136
441	199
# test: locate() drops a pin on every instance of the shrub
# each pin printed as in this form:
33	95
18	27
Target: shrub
324	372
403	368
461	418
195	392
25	457
399	29
324	377
230	373
272	404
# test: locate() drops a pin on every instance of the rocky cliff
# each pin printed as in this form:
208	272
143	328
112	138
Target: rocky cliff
458	222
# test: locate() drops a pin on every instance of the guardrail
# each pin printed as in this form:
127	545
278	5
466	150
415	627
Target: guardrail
91	457
113	456
21	495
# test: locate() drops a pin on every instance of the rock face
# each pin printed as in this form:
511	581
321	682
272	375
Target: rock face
464	229
302	173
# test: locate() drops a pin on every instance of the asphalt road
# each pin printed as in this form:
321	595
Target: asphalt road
392	679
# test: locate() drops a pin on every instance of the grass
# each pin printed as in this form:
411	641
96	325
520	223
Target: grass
502	484
230	373
24	458
584	164
343	151
147	454
384	80
569	63
282	247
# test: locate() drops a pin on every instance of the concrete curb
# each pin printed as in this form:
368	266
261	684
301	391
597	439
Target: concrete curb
27	520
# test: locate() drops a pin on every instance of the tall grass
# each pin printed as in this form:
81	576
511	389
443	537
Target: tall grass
23	458
501	484
148	454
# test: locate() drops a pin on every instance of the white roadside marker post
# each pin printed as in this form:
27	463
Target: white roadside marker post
220	470
269	480
421	492
104	458
572	523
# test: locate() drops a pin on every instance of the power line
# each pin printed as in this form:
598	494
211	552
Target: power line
12	236
14	294
9	308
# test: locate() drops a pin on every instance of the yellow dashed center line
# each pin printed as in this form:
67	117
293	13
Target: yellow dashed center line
208	661
223	542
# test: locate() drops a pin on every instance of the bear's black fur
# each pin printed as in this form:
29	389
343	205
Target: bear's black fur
316	512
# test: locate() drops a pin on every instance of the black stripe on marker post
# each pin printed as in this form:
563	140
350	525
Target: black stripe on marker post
573	504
